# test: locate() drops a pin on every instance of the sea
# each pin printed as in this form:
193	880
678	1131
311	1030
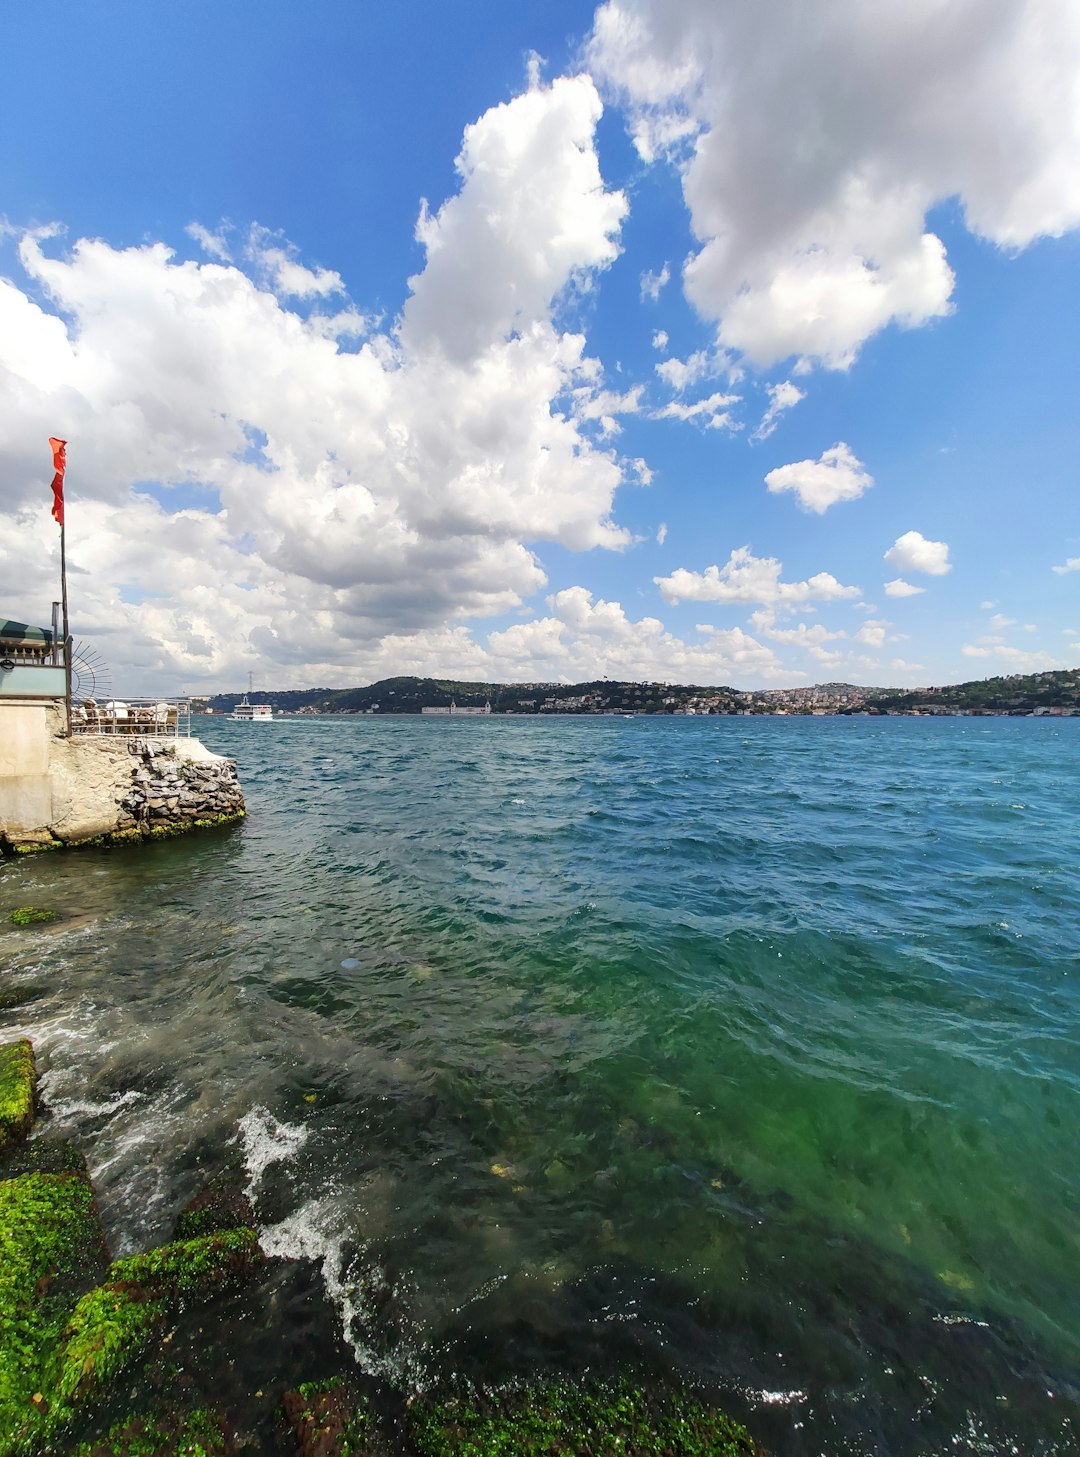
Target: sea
739	1052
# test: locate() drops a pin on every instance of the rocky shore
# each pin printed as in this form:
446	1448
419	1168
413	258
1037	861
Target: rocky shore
195	1348
110	791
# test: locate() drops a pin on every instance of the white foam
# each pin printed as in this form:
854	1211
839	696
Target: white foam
266	1140
64	1108
350	1277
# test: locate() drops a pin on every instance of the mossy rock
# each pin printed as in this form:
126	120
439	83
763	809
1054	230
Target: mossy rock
328	1419
220	1206
51	1248
12	997
588	1421
30	916
44	1156
198	1433
18	1082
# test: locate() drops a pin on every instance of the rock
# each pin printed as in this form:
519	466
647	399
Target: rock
221	1205
18	1082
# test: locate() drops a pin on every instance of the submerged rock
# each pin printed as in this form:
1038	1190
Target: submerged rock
18	1082
328	1419
221	1205
565	1417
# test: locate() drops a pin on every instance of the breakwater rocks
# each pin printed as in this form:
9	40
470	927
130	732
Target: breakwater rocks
101	791
205	1347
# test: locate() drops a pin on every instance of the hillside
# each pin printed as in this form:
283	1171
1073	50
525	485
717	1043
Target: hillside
1023	693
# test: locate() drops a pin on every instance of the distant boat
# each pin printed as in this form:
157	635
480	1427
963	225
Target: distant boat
247	712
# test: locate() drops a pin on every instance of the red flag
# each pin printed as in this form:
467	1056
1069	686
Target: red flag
59	450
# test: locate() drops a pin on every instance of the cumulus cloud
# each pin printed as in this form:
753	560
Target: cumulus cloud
586	638
279	263
679	373
810	249
837	475
912	552
661	533
660	339
713	411
653	283
745	578
353	505
899	588
1072	565
213	244
781	397
1013	658
532	216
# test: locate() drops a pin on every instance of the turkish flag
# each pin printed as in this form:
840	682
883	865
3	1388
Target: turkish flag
59	451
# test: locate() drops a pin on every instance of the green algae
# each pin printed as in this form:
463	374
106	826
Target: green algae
188	1434
63	1345
328	1418
30	915
591	1421
50	1238
133	835
222	1205
17	1084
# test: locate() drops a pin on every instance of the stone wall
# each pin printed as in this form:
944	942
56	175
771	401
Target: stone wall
56	790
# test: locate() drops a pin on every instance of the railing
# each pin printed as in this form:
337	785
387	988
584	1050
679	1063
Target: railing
152	718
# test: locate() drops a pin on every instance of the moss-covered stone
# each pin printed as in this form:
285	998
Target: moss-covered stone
566	1418
44	1156
18	1081
328	1419
185	1434
50	1241
108	1329
20	996
221	1205
193	1268
30	915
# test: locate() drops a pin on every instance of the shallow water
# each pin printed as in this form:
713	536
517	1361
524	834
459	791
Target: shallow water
740	1048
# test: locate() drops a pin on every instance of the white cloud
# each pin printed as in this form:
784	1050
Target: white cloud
1072	565
837	475
899	588
583	638
1014	659
213	244
679	373
532	216
661	534
660	339
653	283
988	606
894	111
287	276
713	411
745	578
372	497
913	553
999	620
781	397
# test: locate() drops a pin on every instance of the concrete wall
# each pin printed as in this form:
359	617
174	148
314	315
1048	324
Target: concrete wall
55	790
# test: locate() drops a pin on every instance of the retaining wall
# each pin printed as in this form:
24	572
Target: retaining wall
56	790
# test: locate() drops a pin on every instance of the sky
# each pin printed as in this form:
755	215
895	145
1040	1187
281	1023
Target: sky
704	341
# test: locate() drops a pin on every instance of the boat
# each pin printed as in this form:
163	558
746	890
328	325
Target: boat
247	712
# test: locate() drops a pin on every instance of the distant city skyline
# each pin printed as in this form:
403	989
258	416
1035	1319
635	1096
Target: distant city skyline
653	340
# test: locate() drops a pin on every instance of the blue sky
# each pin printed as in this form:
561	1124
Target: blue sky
728	344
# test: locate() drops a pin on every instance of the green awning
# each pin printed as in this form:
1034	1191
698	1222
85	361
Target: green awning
21	634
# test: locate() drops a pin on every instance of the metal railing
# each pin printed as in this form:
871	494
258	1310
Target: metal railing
152	718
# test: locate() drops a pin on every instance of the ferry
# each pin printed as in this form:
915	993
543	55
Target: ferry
247	712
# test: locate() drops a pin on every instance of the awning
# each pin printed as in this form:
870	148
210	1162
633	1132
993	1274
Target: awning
21	634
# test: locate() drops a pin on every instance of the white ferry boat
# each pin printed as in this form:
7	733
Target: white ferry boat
247	712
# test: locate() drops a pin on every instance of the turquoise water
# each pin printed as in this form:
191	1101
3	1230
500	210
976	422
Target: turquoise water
740	1048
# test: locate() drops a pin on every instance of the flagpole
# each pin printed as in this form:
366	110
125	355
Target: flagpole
67	636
